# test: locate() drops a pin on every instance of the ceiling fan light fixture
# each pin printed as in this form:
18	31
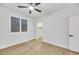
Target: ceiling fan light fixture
31	7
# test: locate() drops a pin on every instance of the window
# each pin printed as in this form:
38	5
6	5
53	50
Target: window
15	24
18	25
23	25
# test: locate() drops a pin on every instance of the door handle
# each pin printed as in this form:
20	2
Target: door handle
71	35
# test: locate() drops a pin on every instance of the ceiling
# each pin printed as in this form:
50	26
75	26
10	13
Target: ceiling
47	9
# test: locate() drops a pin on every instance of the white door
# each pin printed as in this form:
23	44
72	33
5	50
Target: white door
74	34
39	30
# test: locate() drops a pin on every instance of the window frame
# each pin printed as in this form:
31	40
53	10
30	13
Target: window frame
20	31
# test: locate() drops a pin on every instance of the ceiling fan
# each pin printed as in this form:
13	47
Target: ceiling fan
31	7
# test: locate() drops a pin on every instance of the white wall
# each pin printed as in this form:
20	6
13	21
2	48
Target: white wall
55	26
6	37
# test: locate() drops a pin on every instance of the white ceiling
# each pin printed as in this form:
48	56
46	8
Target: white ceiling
47	8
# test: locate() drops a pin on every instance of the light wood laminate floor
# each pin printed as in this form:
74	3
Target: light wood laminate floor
35	47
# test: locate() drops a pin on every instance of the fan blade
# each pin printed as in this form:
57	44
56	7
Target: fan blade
36	4
22	6
37	10
31	3
30	11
